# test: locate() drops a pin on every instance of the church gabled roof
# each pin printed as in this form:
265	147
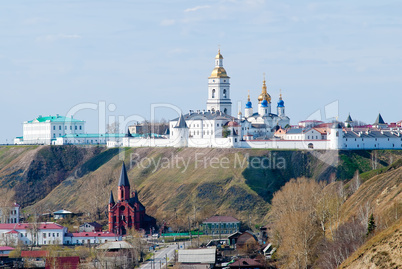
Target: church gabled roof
111	200
123	176
181	123
379	120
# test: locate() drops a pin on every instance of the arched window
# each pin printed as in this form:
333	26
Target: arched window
224	93
213	93
225	111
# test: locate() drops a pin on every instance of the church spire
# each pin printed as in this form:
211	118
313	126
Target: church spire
123	177
111	200
124	185
264	94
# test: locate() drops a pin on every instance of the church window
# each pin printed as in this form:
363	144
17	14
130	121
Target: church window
59	127
71	127
54	127
76	127
80	127
217	124
213	94
65	127
224	93
225	111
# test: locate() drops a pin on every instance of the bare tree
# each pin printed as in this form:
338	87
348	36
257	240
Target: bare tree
6	204
355	183
296	224
95	203
113	128
347	239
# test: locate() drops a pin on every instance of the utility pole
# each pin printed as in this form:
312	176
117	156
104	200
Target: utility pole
189	230
220	230
166	260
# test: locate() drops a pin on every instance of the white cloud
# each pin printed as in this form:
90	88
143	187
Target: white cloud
50	38
167	22
196	8
34	20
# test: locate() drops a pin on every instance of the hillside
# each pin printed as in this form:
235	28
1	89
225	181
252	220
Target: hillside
80	178
383	251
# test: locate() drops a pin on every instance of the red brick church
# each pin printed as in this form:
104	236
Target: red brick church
127	212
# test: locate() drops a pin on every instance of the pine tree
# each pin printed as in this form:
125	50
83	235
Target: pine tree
371	225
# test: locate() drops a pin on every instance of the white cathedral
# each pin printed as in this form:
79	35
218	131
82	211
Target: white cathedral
260	128
215	126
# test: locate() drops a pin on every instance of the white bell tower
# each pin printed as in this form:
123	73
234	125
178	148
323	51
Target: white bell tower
219	88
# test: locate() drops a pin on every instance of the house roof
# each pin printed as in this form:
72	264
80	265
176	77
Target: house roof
220	219
56	118
244	262
294	131
62	211
206	116
94	234
12	232
204	255
62	262
369	134
116	245
6	248
23	226
95	224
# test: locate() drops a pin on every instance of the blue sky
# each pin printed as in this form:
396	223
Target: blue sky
55	55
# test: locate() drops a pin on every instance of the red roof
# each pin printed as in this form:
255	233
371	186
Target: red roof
245	262
4	248
233	124
22	226
94	234
221	219
35	253
12	232
63	262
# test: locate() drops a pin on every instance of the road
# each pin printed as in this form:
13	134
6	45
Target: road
159	259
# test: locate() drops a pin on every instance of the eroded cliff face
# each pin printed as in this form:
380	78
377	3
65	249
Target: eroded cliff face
171	181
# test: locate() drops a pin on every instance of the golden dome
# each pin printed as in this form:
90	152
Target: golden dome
264	95
219	72
219	55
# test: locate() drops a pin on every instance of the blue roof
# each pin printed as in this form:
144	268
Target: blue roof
281	103
249	104
264	103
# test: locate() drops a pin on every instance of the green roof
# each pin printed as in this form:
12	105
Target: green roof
56	118
92	135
